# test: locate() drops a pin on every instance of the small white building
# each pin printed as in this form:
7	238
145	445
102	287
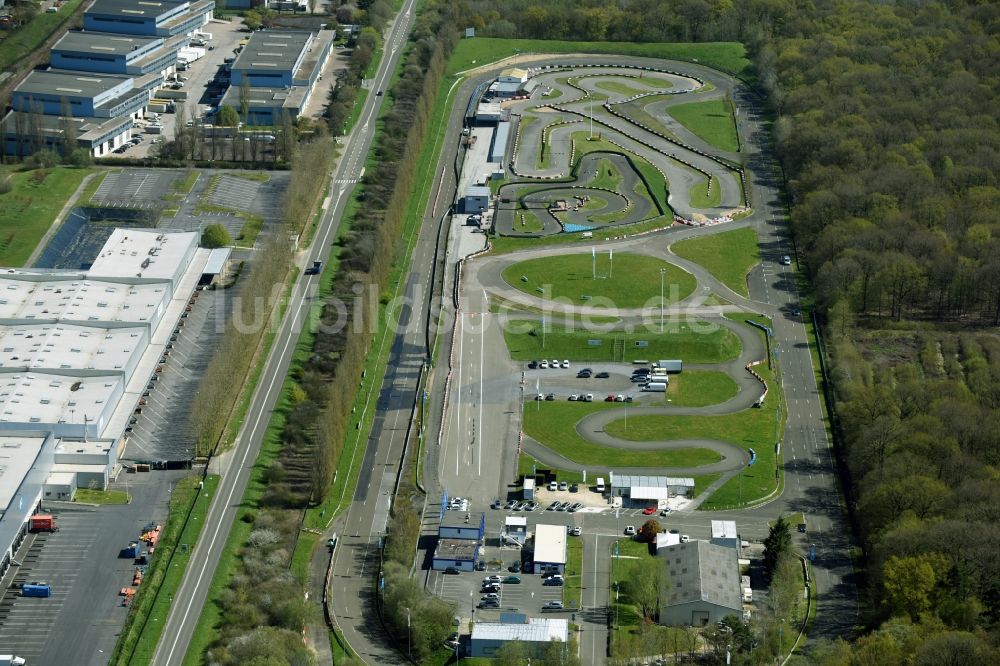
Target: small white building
550	549
528	490
516	529
640	491
535	633
513	75
724	533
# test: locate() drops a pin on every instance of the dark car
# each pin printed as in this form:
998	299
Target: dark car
378	94
575	488
532	364
554	581
481	565
583	374
452	571
515	568
486	603
602	375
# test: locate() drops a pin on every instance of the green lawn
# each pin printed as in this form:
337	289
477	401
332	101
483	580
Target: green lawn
700	388
620	87
624	280
607	177
87	496
18	44
31	206
692	342
554	425
658	186
702	198
728	255
574	570
468	53
711	121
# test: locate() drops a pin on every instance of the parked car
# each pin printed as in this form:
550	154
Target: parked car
481	565
619	398
550	396
543	365
576	506
589	397
553	506
786	260
649	511
540	396
554	581
452	571
576	531
665	511
491	595
488	603
583	374
574	488
514	568
563	485
513	580
532	505
562	506
532	364
496	504
602	375
630	530
573	397
610	398
565	364
685	538
553	605
492	579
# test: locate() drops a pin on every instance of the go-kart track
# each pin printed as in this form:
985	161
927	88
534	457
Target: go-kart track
595	146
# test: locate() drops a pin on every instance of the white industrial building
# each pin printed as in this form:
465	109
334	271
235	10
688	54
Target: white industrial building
640	491
534	633
550	548
76	352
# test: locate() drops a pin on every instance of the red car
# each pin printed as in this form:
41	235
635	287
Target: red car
649	511
610	398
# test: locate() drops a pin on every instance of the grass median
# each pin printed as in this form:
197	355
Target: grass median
693	342
622	280
700	388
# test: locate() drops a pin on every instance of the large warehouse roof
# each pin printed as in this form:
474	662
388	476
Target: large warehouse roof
550	544
84	84
273	49
38	397
703	571
131	253
62	346
19	454
25	298
643	481
102	42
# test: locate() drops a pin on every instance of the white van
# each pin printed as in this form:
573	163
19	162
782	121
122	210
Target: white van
600	484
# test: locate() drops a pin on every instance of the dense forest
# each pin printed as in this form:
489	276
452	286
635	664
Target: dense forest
886	124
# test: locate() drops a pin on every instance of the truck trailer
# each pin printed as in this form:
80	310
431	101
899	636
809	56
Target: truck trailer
659	387
42	523
11	660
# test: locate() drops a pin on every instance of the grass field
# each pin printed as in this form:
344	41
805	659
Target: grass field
728	255
711	121
695	342
702	198
469	53
608	177
31	206
88	496
18	44
554	425
574	570
625	280
700	388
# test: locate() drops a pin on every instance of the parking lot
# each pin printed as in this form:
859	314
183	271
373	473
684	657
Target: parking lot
528	596
80	622
161	429
135	188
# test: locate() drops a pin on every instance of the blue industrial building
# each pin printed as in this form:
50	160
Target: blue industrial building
163	18
109	53
86	95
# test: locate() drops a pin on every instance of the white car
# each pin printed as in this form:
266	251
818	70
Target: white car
543	365
555	363
565	364
492	579
685	538
540	396
589	397
573	397
630	530
576	531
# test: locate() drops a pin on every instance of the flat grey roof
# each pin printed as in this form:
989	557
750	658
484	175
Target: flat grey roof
57	81
143	8
87	129
101	42
457	549
286	98
273	50
630	480
457	519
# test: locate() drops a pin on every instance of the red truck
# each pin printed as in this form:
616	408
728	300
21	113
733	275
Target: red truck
42	523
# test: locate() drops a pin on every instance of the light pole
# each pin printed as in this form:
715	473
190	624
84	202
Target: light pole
663	273
408	652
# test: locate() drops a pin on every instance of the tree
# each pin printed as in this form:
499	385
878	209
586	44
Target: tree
909	581
252	20
513	653
649	530
227	116
215	235
644	584
777	543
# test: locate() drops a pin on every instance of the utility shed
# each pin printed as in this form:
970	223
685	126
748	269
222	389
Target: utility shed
528	492
704	584
724	533
534	633
477	199
550	548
